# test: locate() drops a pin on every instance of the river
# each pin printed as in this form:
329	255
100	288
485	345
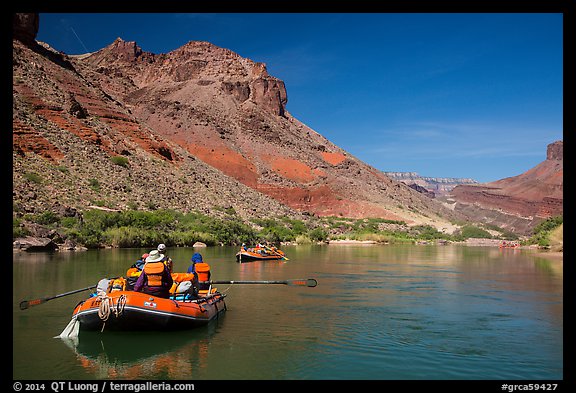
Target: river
406	312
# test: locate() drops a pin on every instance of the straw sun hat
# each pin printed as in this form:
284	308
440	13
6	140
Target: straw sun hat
154	256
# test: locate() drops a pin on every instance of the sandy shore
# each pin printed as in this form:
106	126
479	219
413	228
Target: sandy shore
352	242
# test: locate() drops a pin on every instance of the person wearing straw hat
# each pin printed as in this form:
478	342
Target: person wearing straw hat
155	278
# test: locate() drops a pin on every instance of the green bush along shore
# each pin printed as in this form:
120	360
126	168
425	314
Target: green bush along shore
134	228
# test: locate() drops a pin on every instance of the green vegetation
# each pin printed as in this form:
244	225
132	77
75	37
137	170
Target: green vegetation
557	238
94	184
46	218
471	231
17	229
136	228
120	160
33	177
547	232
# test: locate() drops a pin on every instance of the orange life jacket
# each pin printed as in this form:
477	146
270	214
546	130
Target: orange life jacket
179	278
133	272
154	272
118	284
203	270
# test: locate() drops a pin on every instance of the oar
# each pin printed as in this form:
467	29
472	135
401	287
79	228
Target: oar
310	282
277	253
24	304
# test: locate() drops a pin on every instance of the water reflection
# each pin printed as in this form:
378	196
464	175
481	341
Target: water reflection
144	355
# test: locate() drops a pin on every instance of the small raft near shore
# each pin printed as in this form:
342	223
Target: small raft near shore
260	254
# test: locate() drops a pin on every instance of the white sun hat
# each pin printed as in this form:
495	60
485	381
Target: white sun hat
154	256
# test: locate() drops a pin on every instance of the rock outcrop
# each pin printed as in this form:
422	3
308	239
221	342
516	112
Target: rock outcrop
518	202
25	27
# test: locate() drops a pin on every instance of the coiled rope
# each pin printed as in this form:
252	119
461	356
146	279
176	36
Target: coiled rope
121	304
107	306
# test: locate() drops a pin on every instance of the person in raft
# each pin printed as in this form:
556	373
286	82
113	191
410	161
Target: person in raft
155	278
134	272
197	257
167	260
200	269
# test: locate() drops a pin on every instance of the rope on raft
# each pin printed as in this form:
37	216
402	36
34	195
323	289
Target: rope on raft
107	306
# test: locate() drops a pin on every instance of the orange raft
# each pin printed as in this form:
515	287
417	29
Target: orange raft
128	310
259	254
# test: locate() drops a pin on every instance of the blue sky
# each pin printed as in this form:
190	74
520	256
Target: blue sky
475	95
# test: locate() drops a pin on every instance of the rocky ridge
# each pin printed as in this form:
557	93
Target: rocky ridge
66	132
520	202
199	128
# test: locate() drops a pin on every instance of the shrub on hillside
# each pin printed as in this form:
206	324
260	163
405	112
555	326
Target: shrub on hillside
542	231
471	231
120	160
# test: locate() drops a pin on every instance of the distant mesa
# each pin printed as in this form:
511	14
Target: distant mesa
430	186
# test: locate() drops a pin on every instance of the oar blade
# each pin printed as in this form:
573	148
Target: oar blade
310	282
24	304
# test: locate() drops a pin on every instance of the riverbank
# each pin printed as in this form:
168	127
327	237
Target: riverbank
348	241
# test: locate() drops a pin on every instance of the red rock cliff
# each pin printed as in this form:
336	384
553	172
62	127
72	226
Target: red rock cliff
534	195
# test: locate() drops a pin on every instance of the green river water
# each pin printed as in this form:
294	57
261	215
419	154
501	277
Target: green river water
409	312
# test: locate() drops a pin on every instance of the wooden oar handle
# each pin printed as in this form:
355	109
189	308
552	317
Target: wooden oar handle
309	282
24	304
